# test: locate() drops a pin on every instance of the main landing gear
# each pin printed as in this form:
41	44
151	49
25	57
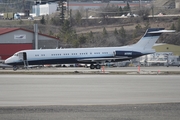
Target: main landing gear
97	66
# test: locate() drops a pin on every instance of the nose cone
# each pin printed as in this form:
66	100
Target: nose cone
10	60
7	61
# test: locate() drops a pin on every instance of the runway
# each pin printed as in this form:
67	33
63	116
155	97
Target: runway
37	90
108	70
89	97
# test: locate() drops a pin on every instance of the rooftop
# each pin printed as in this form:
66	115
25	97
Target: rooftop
8	30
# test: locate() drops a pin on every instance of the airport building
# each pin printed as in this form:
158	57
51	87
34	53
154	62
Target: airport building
162	47
16	39
166	55
44	9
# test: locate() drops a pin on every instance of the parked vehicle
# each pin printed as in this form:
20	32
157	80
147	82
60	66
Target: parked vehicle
173	61
11	16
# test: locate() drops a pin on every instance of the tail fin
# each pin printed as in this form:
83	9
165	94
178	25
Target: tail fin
150	37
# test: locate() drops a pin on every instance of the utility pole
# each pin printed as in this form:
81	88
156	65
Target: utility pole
24	5
139	4
152	7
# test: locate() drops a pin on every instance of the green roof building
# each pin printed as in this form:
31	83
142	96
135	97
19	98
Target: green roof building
175	49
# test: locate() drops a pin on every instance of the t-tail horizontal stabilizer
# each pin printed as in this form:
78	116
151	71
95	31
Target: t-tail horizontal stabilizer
150	37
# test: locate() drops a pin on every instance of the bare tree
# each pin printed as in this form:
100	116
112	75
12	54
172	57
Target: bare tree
144	12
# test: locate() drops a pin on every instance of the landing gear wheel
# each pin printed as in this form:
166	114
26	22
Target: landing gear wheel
15	68
98	66
92	66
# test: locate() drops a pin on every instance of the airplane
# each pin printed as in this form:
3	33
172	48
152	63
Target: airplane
93	56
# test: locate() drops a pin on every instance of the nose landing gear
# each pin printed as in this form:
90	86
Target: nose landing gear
15	68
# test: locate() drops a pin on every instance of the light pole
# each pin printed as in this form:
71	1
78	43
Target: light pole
139	4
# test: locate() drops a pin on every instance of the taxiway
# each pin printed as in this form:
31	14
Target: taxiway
34	90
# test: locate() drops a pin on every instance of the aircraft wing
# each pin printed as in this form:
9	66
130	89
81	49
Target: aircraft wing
102	59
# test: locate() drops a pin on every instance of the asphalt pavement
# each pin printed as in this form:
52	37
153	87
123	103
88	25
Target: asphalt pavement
169	111
35	90
89	97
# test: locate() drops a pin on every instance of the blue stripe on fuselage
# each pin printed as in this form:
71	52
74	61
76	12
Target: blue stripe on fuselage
132	54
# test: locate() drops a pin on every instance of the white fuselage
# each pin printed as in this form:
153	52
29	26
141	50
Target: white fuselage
72	55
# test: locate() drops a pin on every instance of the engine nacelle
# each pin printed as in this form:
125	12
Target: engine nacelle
127	53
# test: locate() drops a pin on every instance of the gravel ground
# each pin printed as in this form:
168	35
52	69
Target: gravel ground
169	111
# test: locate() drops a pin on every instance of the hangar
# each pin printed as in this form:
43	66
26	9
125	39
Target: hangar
16	39
162	47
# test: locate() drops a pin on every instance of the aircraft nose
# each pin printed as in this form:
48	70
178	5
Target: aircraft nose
9	60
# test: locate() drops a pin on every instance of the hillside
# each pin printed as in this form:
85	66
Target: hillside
96	26
165	3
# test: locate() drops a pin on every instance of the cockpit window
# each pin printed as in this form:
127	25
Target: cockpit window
15	54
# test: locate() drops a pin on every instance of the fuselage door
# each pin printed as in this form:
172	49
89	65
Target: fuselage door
22	56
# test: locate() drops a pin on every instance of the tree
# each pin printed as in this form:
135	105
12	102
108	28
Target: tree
78	17
51	33
105	34
82	39
147	25
127	8
178	25
120	10
91	34
55	21
122	32
67	34
109	10
42	21
122	37
115	32
144	12
137	30
138	27
173	27
91	37
66	27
